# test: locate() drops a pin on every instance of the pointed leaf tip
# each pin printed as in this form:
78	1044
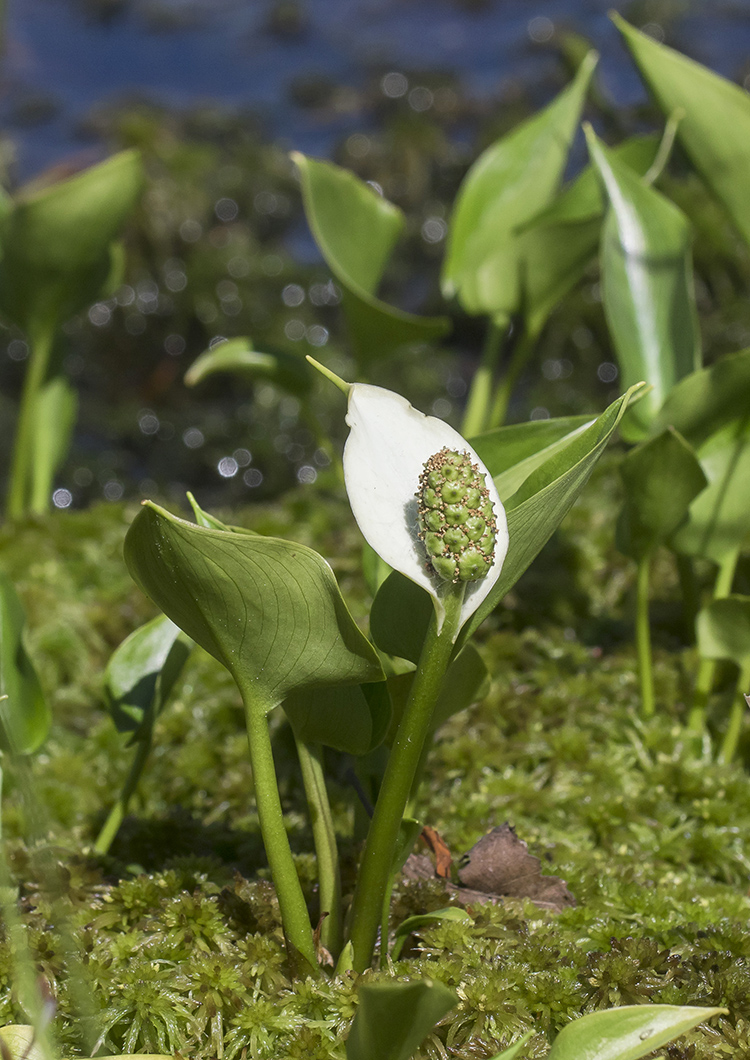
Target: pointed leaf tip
343	386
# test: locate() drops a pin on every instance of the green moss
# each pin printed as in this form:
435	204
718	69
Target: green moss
189	954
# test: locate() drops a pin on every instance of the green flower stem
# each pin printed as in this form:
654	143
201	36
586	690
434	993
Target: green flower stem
18	501
116	815
643	638
326	850
707	668
736	717
522	351
294	916
377	859
478	405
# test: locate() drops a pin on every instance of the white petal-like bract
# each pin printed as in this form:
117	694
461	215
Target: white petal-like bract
389	444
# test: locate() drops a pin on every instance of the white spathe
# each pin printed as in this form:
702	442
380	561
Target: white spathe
389	444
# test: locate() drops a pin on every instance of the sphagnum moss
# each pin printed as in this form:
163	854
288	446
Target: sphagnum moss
652	843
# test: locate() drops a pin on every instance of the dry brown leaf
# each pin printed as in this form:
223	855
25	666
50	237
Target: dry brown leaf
498	865
439	848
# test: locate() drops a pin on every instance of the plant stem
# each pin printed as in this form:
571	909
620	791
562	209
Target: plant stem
477	407
736	717
643	638
294	916
520	355
117	813
17	504
326	850
377	859
707	668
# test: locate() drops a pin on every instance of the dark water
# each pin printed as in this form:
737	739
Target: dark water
65	56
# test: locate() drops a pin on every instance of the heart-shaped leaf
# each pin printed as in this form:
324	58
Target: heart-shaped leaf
24	716
626	1033
647	285
340	716
661	477
142	672
269	610
715	127
56	242
286	370
392	1019
507	185
356	230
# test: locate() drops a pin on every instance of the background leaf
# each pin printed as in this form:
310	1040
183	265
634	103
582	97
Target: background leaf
142	672
723	630
269	610
661	477
718	520
626	1033
392	1019
507	185
715	126
25	717
356	230
647	285
557	246
56	242
284	369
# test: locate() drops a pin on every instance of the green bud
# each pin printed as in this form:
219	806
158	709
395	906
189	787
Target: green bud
456	517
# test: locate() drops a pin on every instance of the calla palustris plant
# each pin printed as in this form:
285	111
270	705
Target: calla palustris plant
271	612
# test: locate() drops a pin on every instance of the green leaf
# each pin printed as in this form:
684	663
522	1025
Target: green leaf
723	630
54	420
538	507
661	477
507	185
392	1019
399	617
464	683
342	717
269	610
142	672
56	242
647	285
24	716
413	923
715	128
558	244
286	370
709	399
718	520
19	1040
513	1050
626	1033
356	230
511	453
